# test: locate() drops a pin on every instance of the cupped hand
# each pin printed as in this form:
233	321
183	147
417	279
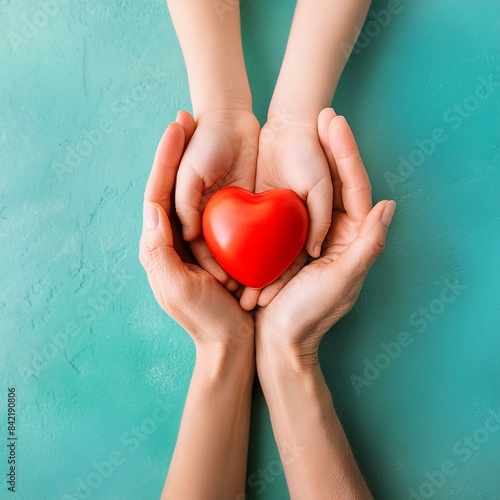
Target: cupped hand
291	156
327	288
222	152
188	293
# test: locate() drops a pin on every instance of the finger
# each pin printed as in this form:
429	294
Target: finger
249	298
186	120
181	247
356	188
324	119
163	266
208	262
319	205
270	291
239	291
368	244
188	193
165	165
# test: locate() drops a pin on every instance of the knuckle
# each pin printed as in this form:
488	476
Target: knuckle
163	199
183	208
379	245
320	226
149	254
323	224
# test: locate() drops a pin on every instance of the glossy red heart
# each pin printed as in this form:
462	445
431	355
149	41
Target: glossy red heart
255	237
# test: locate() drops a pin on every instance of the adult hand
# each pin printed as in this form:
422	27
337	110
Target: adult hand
211	451
326	289
188	293
222	152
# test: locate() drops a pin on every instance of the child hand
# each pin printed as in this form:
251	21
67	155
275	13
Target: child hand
290	156
222	152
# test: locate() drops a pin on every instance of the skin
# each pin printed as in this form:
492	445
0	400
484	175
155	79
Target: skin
223	149
281	339
290	328
228	147
211	452
290	153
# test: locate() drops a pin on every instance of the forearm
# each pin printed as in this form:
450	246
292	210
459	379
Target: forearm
212	49
211	452
316	456
317	51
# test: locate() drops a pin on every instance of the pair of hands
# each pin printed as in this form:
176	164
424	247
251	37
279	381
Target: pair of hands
293	314
228	148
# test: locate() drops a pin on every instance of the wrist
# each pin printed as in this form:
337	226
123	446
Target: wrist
276	358
228	358
292	114
224	110
206	101
284	374
287	123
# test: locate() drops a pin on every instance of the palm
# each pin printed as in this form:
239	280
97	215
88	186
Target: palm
223	152
208	295
306	288
342	232
205	292
293	158
285	162
325	289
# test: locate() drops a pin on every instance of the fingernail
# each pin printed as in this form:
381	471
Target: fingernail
317	250
185	231
177	117
151	217
388	213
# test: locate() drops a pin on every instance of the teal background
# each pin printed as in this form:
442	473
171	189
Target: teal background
96	364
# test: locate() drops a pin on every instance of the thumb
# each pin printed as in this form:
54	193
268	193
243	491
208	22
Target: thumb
188	194
156	252
369	243
319	205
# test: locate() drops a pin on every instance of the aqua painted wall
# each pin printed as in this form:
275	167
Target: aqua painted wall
100	373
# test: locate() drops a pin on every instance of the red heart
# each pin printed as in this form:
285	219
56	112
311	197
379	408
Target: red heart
255	237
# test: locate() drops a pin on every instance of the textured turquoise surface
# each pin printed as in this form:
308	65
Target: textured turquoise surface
101	374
